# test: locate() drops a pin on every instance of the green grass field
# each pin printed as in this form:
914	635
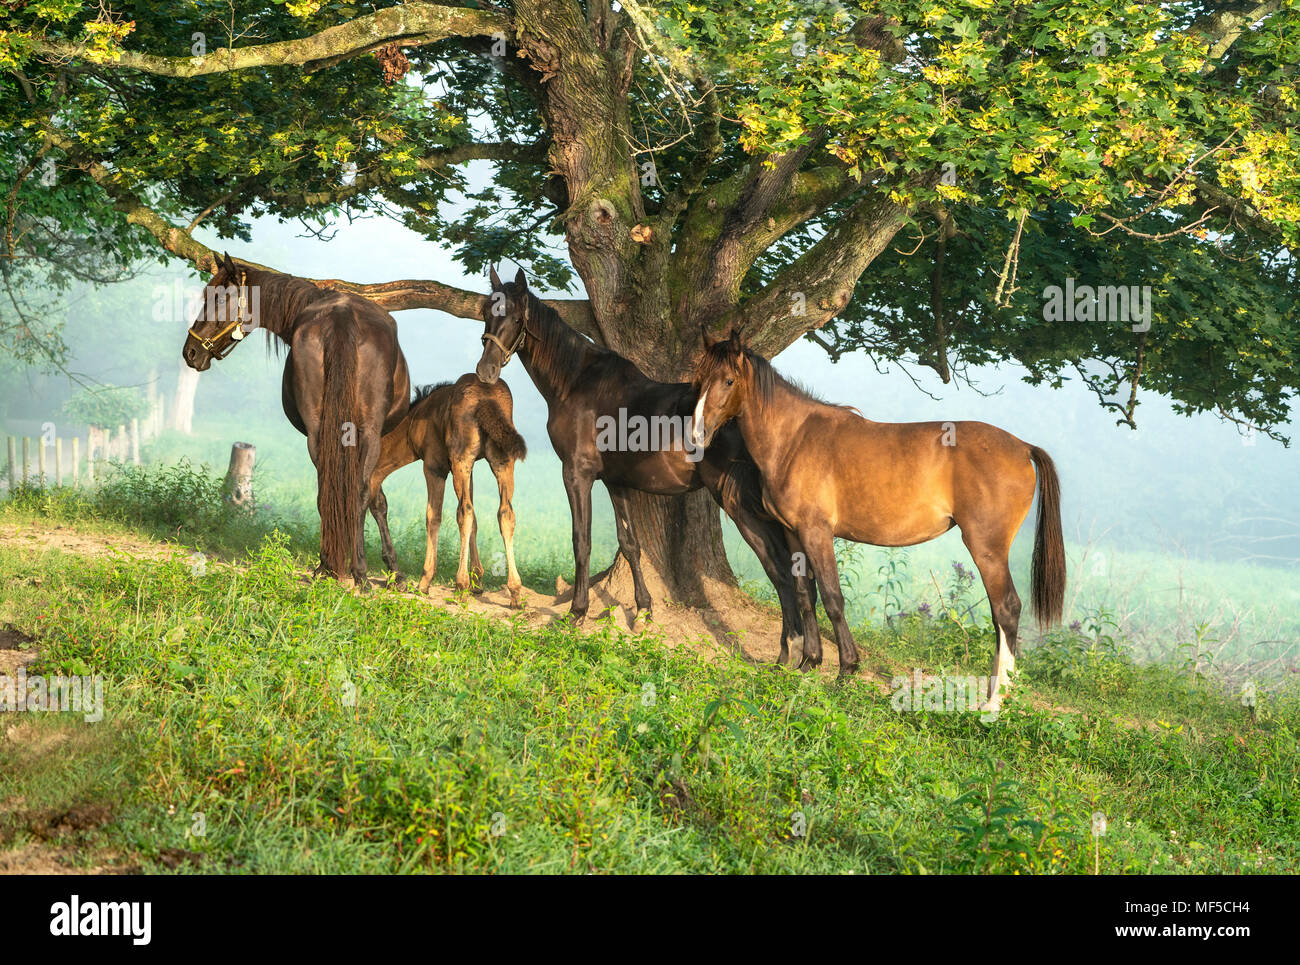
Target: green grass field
301	728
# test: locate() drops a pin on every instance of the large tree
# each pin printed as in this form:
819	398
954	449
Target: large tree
905	178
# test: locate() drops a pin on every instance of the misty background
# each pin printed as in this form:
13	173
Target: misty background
1186	530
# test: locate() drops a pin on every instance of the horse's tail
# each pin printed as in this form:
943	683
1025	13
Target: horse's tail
500	428
338	463
1047	579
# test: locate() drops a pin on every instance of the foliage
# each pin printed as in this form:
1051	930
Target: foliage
106	407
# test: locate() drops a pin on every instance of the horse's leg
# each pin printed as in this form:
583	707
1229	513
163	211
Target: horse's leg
767	540
819	544
990	556
368	456
631	547
436	482
579	491
379	510
475	564
805	596
504	469
462	482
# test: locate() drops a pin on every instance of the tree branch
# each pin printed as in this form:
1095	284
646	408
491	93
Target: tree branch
410	25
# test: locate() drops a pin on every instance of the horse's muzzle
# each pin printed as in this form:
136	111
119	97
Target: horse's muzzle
488	372
196	358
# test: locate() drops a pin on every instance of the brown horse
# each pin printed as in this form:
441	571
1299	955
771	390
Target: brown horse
449	428
345	384
828	472
585	385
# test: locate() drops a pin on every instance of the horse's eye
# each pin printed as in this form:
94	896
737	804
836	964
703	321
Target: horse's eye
731	382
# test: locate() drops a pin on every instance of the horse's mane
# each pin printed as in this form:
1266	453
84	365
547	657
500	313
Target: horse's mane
559	353
424	391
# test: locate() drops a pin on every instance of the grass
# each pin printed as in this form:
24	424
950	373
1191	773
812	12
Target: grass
300	728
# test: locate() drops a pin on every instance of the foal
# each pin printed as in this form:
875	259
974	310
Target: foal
828	472
448	428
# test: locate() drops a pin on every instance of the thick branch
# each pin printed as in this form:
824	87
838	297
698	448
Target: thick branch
410	24
819	285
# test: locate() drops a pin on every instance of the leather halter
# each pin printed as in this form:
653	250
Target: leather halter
210	344
514	346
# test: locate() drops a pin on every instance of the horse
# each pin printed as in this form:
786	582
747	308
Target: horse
585	385
345	384
449	427
828	472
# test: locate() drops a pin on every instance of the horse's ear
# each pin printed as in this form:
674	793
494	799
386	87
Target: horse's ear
709	339
735	340
521	279
496	279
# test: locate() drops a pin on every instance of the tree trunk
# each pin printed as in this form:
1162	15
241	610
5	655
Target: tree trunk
682	557
239	477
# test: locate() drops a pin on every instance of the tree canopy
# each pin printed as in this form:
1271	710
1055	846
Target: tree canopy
906	178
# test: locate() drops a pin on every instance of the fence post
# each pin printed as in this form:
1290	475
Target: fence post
92	435
120	444
27	457
58	461
76	462
13	467
135	441
239	477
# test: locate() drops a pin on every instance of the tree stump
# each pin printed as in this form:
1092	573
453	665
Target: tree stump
239	477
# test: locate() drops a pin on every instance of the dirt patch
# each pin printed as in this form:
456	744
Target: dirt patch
67	539
17	649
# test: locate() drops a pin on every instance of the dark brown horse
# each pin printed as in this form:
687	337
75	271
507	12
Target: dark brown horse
587	387
345	384
449	428
828	472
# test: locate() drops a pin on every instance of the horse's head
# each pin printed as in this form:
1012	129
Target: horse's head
224	317
505	324
722	378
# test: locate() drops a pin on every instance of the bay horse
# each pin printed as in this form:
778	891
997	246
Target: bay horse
345	384
449	427
583	384
828	472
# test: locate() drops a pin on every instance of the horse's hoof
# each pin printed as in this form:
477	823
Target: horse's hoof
642	617
515	602
784	658
807	664
848	669
577	618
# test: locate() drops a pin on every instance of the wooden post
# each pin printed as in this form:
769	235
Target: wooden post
27	457
58	461
135	442
92	436
13	464
120	444
40	462
76	462
239	477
